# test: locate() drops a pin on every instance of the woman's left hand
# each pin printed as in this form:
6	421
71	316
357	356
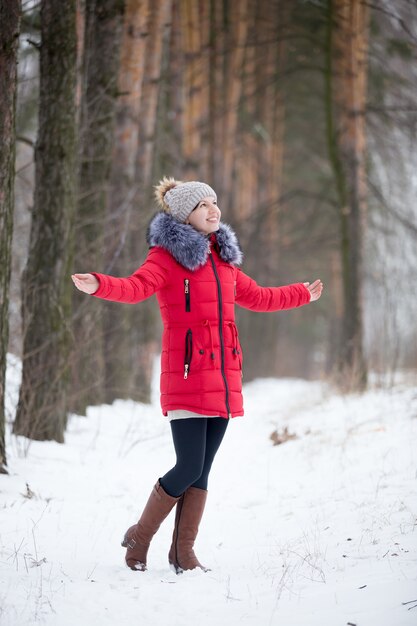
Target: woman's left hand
315	289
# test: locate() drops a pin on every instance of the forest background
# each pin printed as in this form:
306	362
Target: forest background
301	114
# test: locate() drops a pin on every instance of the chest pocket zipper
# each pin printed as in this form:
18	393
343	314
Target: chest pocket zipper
188	352
187	295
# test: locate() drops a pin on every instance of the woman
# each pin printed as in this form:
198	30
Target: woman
192	266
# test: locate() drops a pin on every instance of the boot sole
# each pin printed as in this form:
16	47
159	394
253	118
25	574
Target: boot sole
175	568
179	570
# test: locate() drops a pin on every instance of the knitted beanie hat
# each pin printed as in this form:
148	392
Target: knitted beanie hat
179	198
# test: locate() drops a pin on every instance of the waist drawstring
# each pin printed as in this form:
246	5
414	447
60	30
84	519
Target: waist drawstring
235	350
212	355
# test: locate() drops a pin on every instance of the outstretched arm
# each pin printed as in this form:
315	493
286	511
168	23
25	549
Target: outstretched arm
252	296
142	284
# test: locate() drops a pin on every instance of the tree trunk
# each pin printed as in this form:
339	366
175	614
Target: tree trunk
124	198
103	33
144	319
233	65
46	284
159	19
195	32
130	344
9	38
263	335
345	99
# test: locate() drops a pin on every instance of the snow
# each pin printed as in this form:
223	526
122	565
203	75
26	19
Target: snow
321	529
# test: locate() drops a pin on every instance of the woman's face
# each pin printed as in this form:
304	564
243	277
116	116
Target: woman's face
206	216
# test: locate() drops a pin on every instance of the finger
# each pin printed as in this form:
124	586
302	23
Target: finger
82	276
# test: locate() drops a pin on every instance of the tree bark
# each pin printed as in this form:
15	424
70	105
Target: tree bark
193	84
130	344
103	33
233	84
347	43
144	319
9	39
124	198
263	331
46	285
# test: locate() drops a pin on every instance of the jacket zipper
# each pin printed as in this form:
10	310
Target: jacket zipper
219	291
187	295
188	352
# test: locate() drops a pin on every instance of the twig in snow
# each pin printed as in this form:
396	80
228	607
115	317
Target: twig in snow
35	563
92	572
278	438
29	493
229	596
410	602
15	555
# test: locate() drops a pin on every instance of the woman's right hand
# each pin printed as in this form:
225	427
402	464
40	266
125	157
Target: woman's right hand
85	282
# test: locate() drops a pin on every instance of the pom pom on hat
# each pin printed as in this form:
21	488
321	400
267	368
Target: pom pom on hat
179	198
164	185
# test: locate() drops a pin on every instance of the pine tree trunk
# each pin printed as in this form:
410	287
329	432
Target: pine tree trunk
144	320
216	96
103	33
245	182
46	283
263	335
238	25
124	198
9	38
160	15
346	96
191	38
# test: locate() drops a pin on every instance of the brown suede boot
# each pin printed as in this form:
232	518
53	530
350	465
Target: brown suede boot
188	516
138	537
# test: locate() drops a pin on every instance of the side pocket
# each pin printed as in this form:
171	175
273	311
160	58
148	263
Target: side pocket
188	352
187	295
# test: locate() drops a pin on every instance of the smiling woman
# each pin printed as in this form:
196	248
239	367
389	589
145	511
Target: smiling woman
206	216
192	267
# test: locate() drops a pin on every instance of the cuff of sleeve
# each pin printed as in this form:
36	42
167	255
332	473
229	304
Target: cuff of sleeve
308	298
99	292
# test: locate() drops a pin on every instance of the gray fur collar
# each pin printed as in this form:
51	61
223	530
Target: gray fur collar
189	247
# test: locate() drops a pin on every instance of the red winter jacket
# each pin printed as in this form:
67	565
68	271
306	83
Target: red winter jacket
197	284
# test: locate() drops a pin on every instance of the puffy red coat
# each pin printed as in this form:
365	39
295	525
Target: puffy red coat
197	283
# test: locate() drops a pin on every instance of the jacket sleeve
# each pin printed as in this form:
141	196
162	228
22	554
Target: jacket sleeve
251	296
148	278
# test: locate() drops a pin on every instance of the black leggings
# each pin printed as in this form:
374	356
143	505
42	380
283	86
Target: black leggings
196	441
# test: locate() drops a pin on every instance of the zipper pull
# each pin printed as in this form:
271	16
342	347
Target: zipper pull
186	366
186	283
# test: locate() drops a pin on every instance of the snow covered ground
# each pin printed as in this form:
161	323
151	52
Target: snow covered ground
319	530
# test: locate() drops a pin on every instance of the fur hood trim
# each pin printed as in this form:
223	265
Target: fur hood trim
189	247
